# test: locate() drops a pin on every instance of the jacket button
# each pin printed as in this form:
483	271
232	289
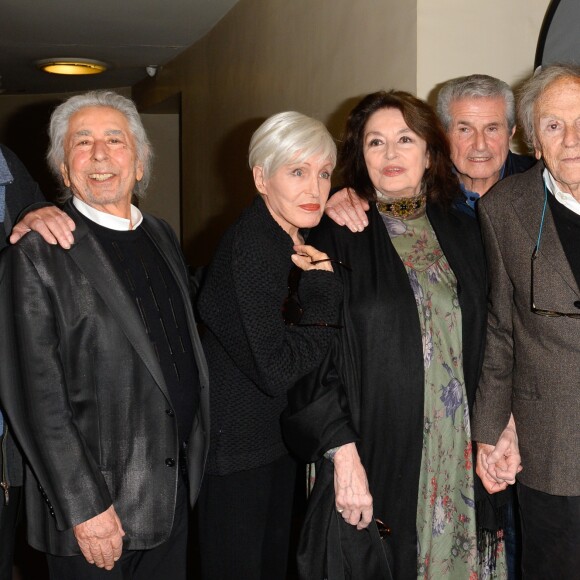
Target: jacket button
170	412
577	303
170	462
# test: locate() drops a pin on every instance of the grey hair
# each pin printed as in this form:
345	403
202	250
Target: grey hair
475	87
289	137
59	123
534	88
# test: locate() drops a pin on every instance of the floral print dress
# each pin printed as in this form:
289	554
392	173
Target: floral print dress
446	526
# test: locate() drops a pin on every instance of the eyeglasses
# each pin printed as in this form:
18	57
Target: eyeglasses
384	530
535	310
292	310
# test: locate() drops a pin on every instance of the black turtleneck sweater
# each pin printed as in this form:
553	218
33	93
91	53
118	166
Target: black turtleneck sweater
568	227
148	280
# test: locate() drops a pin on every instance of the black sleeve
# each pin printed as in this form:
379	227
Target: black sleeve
318	416
20	193
26	189
281	354
33	390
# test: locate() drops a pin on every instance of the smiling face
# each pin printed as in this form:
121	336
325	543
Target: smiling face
296	193
395	156
557	128
100	164
479	137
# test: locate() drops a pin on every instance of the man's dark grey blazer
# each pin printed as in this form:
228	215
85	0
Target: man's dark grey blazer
85	393
532	363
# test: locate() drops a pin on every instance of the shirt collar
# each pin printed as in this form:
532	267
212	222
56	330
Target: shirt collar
108	220
471	197
566	199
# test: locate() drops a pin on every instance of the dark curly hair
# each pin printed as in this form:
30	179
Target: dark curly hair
440	181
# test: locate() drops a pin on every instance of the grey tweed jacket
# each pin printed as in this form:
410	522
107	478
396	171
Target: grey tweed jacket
532	363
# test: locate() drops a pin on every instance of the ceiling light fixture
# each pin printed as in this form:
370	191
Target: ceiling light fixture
72	66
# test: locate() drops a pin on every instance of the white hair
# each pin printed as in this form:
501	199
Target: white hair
534	88
287	138
58	128
475	86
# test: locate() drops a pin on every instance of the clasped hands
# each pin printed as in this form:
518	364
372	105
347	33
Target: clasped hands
497	466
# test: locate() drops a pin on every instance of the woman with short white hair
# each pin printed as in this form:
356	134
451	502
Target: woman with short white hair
271	305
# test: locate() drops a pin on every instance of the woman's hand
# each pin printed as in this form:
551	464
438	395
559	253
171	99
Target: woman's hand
309	258
351	487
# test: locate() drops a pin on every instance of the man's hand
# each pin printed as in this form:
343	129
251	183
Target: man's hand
346	208
497	466
352	496
100	539
51	223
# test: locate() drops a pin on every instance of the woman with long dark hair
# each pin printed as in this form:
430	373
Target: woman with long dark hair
386	416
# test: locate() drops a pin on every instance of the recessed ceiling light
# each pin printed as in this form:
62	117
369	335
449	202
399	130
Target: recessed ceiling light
71	66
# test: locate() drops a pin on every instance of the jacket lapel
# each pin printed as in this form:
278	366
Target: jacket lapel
527	208
95	265
173	258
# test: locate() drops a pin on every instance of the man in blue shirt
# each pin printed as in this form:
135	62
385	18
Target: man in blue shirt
478	115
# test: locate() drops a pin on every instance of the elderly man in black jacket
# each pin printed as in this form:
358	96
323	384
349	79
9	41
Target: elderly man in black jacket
106	385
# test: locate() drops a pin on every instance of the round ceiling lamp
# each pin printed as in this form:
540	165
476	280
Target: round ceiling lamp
72	66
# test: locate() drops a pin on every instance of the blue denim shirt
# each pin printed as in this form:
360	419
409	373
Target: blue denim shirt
470	198
5	178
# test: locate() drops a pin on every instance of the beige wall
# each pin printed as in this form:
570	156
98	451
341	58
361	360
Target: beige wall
163	195
461	37
267	56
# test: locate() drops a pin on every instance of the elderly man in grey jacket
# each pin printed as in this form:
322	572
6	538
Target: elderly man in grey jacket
531	229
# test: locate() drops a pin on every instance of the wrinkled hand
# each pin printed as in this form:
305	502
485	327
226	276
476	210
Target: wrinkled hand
100	539
351	487
51	223
309	258
346	208
497	466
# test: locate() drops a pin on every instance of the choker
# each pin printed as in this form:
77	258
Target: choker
404	208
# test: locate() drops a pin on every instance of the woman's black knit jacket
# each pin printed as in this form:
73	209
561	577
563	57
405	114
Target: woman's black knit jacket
253	357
